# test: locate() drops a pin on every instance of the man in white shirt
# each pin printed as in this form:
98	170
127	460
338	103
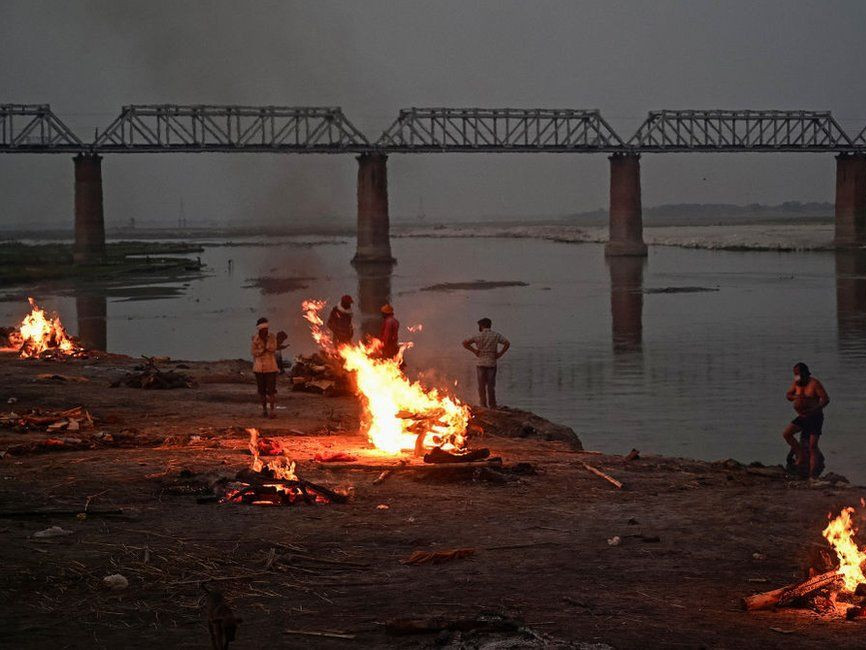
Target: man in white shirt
485	346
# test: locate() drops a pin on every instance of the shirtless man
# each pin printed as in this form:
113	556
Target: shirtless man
809	399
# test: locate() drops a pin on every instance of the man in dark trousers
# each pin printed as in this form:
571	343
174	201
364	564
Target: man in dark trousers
340	321
264	349
809	398
390	335
485	346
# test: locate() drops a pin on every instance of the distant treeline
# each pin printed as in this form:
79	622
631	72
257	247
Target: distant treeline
709	212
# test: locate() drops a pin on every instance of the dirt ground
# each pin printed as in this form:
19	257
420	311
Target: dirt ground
541	541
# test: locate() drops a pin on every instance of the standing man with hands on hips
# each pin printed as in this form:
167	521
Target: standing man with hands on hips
485	346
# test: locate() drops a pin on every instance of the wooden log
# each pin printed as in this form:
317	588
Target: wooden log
409	467
13	514
607	477
388	472
323	633
489	623
301	484
785	595
438	455
419	444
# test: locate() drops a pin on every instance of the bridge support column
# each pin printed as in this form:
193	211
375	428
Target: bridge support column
374	242
850	200
626	225
89	247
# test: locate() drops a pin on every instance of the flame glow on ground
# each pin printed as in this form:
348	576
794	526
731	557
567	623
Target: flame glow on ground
39	333
399	414
840	533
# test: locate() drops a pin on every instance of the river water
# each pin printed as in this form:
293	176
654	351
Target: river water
687	353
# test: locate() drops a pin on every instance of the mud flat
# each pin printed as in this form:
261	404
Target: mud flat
28	263
694	537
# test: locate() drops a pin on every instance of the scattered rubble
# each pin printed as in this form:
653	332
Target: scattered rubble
514	423
149	376
319	373
115	582
74	419
54	531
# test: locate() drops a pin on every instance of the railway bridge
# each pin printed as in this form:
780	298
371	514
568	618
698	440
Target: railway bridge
35	129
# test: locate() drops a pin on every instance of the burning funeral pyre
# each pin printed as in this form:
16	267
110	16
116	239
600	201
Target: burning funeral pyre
42	336
275	483
398	414
840	591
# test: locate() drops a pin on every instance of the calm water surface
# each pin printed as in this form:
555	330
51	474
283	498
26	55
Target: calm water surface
601	345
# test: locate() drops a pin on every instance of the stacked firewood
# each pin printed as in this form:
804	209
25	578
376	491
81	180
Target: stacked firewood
320	373
149	376
74	419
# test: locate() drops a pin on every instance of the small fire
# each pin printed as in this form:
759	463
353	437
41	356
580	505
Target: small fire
284	470
840	533
414	329
38	334
399	414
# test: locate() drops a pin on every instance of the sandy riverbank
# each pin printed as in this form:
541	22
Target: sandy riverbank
690	532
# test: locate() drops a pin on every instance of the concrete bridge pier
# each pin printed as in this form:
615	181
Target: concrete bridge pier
374	290
626	224
850	200
374	242
89	247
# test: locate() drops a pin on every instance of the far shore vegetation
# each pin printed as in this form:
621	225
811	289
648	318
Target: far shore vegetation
21	263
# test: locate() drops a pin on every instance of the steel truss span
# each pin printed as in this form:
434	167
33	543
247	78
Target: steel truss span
860	140
255	129
166	128
419	130
33	128
717	130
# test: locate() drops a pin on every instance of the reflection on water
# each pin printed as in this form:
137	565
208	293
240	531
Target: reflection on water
92	314
374	290
626	302
599	346
851	300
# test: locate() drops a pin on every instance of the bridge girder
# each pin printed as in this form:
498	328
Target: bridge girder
860	140
34	128
254	129
419	130
742	130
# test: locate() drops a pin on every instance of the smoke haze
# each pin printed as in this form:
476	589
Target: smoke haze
87	59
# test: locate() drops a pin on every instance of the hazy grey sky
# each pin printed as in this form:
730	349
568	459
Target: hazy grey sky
372	57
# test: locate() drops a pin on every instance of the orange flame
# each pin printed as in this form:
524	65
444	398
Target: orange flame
284	470
39	333
312	314
840	533
398	414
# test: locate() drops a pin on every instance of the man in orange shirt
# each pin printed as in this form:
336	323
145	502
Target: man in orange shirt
390	333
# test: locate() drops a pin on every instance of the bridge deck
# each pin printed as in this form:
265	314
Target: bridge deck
167	128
